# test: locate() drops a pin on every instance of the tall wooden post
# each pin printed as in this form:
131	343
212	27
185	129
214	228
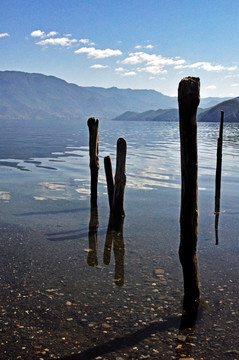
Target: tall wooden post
120	179
93	125
188	100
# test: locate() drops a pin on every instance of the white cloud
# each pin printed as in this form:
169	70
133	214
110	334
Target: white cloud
84	41
154	63
99	66
97	53
138	47
207	66
37	33
149	47
129	73
52	33
4	35
42	34
234	85
153	69
120	69
211	87
150	59
64	41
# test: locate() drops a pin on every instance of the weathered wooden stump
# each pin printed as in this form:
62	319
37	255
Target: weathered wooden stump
116	185
109	180
93	125
188	100
120	179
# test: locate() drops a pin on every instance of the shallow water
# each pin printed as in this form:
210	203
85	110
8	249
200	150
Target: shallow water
55	304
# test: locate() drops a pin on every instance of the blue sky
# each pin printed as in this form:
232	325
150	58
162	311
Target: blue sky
139	44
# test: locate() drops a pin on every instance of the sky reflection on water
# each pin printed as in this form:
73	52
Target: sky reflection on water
52	200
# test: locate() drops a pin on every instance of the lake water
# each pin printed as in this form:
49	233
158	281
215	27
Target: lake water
55	304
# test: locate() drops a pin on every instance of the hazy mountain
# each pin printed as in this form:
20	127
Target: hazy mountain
230	108
37	96
24	95
151	115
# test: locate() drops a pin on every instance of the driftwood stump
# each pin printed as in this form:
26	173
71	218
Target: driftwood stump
188	100
120	179
93	125
109	180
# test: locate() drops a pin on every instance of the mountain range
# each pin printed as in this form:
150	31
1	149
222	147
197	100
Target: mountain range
213	114
37	96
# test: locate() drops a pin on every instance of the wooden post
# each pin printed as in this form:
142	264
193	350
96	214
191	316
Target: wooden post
188	100
93	125
218	176
120	179
219	166
109	180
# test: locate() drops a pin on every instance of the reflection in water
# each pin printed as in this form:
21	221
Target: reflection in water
92	259
115	237
216	227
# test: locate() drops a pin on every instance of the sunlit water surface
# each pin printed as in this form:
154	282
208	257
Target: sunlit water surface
54	303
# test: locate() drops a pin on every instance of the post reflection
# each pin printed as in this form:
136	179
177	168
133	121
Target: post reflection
216	228
114	237
92	258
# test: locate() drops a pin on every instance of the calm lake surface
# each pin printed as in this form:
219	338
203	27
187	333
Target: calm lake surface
59	300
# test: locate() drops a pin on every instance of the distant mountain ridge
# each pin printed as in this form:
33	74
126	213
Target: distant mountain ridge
230	108
36	96
24	95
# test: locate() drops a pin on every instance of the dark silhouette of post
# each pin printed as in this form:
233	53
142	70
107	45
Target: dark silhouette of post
218	176
109	180
93	125
188	100
120	179
219	165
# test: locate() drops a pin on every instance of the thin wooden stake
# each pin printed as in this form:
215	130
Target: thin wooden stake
219	166
120	179
93	125
218	177
188	100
